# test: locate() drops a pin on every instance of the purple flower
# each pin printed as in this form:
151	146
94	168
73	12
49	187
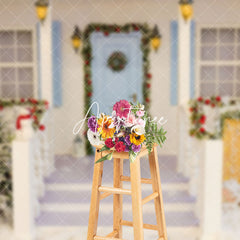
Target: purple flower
136	148
127	140
92	124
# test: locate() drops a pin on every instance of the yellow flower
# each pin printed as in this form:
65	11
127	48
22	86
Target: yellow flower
137	139
104	122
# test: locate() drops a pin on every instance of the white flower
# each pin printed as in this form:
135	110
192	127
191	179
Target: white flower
94	138
138	129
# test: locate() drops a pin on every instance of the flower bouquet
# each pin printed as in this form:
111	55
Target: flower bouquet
128	129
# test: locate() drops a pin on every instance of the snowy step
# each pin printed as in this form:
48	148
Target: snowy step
173	219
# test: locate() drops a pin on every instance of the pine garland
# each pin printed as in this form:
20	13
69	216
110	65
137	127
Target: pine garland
107	29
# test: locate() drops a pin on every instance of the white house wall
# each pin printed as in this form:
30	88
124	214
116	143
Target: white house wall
21	13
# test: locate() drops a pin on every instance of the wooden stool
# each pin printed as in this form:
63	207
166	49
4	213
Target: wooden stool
100	192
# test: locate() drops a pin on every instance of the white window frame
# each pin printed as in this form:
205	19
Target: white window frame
217	62
34	56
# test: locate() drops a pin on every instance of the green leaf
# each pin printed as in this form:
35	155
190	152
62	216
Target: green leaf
132	156
106	157
104	148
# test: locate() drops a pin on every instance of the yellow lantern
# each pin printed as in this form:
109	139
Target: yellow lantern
156	38
186	9
41	9
76	39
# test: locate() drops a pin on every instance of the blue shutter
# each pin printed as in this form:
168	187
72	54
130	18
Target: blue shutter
57	63
174	63
39	77
192	59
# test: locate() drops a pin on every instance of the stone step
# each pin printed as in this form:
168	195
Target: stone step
173	219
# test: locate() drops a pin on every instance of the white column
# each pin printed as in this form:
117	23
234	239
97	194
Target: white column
46	58
183	80
210	197
23	176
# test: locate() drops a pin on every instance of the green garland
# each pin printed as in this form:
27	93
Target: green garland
198	117
107	29
117	61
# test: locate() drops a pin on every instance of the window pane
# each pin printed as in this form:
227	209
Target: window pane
6	38
207	89
25	74
226	89
208	53
226	53
226	35
208	73
8	75
24	38
25	90
8	90
208	35
226	73
24	54
7	55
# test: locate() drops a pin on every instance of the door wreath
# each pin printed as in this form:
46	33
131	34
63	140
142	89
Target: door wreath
117	61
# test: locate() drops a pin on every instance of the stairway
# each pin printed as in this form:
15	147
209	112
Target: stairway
68	192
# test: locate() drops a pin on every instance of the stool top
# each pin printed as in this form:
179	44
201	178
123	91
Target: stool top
123	155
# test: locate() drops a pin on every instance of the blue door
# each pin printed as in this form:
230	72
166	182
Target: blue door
110	86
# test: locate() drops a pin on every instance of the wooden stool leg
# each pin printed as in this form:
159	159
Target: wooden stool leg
156	184
136	199
95	198
117	198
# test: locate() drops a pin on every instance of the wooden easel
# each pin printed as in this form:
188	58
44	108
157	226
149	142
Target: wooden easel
100	192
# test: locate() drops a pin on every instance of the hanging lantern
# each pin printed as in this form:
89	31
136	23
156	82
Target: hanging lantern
156	38
186	9
76	38
41	9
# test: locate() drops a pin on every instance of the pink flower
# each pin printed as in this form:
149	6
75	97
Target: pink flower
141	122
122	108
140	113
131	120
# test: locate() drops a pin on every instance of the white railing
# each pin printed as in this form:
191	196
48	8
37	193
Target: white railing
201	162
32	161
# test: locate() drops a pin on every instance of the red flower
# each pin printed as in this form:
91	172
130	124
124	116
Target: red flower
200	99
207	101
149	75
1	108
202	120
120	147
213	105
147	100
89	94
22	100
202	130
41	127
116	140
218	98
109	143
148	85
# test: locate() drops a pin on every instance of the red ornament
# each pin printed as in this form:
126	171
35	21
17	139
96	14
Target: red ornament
117	29
136	28
41	127
202	130
213	105
97	29
148	85
89	94
32	110
191	109
106	33
89	82
218	99
149	75
200	99
34	117
86	62
147	100
202	120
207	101
22	100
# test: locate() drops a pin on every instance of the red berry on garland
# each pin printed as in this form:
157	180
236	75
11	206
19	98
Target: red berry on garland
202	130
213	105
202	120
117	29
148	85
106	33
89	94
41	127
149	75
86	62
22	100
147	100
218	98
1	108
207	101
34	117
97	29
200	99
191	109
136	28
32	110
89	82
